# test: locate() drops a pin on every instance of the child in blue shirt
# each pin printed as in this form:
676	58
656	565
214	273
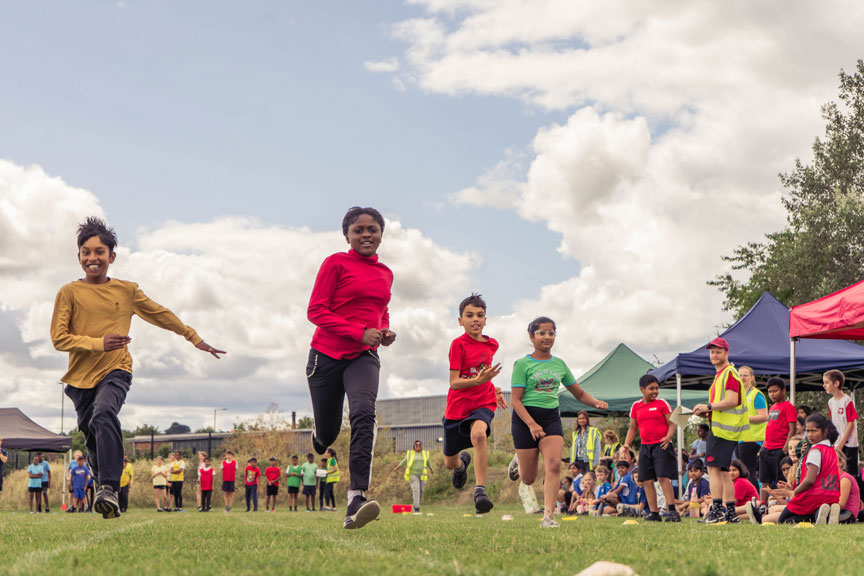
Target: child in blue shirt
603	487
34	483
624	492
80	476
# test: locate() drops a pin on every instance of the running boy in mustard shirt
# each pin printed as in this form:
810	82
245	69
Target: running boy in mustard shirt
91	321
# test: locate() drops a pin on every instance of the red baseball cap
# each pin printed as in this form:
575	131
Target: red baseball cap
718	343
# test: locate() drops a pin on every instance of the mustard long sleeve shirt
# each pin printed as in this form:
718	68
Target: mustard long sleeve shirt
85	313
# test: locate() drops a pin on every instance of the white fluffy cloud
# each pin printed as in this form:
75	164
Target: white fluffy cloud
681	116
243	286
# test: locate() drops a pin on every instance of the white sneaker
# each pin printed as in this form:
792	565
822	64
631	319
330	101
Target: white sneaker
548	522
513	468
834	515
822	515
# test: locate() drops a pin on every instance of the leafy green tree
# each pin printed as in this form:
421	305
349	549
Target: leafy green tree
145	430
305	422
177	428
821	248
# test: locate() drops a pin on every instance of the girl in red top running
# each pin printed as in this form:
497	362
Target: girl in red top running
349	308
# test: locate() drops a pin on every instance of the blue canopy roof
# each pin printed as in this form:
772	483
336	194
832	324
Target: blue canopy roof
760	339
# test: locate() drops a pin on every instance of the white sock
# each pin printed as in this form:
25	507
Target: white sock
353	494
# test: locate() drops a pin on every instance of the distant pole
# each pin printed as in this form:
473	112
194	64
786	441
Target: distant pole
215	410
62	406
152	434
209	443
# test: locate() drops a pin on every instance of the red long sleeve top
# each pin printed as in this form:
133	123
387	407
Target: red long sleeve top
351	294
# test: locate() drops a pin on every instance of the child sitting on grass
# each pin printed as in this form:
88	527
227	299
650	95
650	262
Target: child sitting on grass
640	507
744	489
588	498
623	492
603	488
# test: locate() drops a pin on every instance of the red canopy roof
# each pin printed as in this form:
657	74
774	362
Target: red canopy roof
839	315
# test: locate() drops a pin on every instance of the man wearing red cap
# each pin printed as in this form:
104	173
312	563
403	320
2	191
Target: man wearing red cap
729	423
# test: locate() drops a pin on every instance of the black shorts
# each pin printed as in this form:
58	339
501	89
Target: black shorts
34	489
547	418
655	462
718	452
457	433
160	487
46	485
309	490
272	490
293	489
769	466
228	486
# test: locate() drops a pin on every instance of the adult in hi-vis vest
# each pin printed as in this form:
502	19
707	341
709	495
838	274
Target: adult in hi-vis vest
586	446
417	471
757	412
730	424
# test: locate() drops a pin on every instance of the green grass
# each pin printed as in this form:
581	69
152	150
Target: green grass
445	542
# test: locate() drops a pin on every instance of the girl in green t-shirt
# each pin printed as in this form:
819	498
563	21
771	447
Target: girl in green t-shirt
536	424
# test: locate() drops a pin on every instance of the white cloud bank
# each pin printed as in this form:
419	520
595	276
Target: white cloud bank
243	286
681	116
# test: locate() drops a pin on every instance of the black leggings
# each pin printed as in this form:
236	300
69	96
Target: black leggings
177	492
330	380
329	497
206	495
787	517
748	453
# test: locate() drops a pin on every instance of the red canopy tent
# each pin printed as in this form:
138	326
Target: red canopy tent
838	316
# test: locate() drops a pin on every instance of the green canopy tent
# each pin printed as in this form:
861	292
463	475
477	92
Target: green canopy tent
615	379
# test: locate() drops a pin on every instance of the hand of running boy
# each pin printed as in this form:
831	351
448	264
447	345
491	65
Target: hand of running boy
387	337
488	373
499	398
207	348
115	342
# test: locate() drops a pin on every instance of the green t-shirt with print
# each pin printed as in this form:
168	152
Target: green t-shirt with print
541	380
294	481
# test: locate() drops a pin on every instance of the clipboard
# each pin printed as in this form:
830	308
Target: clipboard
681	416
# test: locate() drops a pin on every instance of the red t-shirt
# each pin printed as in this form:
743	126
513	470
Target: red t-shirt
780	415
651	419
272	473
252	474
732	385
469	357
744	491
206	476
351	294
229	471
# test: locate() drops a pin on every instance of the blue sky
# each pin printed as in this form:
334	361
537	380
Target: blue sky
196	110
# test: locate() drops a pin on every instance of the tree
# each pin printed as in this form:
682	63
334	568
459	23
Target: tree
305	422
145	430
176	428
821	249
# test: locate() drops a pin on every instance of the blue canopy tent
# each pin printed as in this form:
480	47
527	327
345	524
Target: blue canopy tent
760	339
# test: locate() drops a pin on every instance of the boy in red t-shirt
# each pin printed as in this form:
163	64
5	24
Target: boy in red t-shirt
229	477
250	481
650	418
782	418
205	479
472	400
272	473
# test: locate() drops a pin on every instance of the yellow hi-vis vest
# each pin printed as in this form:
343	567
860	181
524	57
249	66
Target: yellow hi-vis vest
593	440
410	462
756	433
732	423
332	478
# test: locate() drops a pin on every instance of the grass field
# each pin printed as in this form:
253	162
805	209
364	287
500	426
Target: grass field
441	541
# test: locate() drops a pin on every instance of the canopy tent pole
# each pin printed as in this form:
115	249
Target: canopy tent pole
680	440
792	369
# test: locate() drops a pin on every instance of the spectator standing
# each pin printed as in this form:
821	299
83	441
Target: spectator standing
757	412
159	477
80	477
72	463
251	476
205	480
229	479
586	445
46	482
293	479
201	457
782	420
332	479
310	481
699	446
843	415
177	470
4	456
272	473
611	444
125	483
322	488
34	485
416	464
